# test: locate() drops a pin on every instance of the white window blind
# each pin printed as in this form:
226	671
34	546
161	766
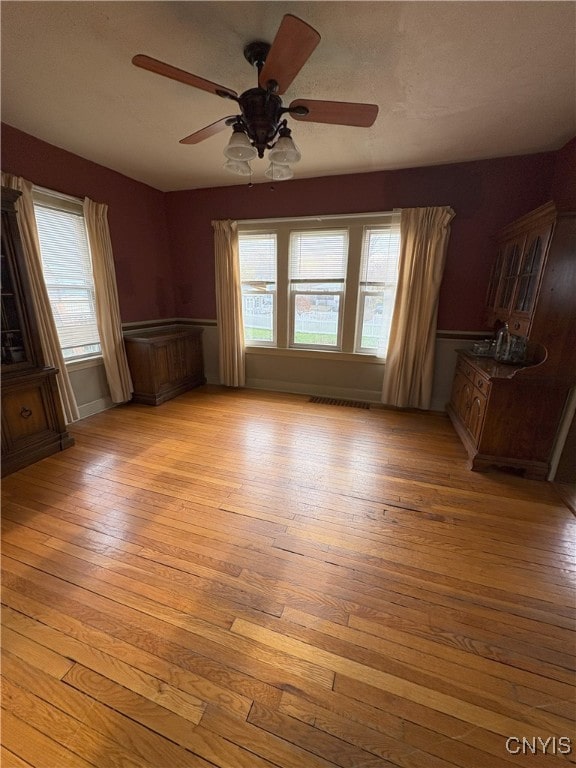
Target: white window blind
68	276
317	274
257	252
318	255
377	286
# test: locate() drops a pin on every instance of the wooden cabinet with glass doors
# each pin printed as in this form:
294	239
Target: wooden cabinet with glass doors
508	415
32	421
518	268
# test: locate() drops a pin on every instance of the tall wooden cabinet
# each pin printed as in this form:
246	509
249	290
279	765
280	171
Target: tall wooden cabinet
33	424
508	415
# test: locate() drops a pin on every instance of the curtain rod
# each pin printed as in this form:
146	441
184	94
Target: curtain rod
327	217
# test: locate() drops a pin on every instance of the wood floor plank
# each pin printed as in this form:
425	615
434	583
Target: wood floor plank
34	747
317	741
10	760
394	751
38	655
494	676
417	693
487	744
173	685
245	579
100	734
271	746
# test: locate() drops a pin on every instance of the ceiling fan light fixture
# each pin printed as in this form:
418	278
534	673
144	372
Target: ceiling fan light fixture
239	147
238	167
259	126
284	151
279	172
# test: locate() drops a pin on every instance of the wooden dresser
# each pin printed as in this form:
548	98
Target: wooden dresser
164	362
509	415
33	424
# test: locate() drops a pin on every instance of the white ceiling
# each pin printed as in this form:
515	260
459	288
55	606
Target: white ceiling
454	81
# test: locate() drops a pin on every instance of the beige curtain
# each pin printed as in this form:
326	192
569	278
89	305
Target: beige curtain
409	368
46	327
229	304
107	306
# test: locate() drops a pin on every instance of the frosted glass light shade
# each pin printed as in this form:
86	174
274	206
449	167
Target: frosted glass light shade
284	151
239	167
279	172
239	147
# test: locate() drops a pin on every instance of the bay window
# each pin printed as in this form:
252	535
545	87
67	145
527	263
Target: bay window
320	284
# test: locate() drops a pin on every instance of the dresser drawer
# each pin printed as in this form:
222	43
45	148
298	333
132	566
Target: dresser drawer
32	422
465	368
27	414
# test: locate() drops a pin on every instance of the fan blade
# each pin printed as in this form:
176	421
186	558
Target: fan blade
167	70
291	49
209	130
336	112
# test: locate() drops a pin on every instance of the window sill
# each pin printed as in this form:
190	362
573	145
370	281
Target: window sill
87	362
317	354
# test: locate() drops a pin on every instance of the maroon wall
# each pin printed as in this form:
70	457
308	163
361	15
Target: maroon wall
485	195
136	218
163	243
564	181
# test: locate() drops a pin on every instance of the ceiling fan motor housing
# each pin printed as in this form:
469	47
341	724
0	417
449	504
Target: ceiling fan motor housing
255	53
262	112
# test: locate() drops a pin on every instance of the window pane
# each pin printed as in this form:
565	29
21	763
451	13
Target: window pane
318	255
257	253
67	272
73	309
258	314
380	255
317	271
316	319
376	318
377	286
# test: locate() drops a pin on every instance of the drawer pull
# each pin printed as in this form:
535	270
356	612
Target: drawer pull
516	326
25	412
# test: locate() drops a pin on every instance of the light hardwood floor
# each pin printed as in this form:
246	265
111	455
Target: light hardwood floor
246	580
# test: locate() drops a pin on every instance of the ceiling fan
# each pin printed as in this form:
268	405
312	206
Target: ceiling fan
261	124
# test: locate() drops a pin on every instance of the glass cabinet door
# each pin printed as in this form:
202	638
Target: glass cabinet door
530	270
509	275
494	284
19	348
14	347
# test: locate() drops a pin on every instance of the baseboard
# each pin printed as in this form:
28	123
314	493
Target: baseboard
96	406
365	395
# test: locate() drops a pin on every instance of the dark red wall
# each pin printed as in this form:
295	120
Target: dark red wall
136	218
485	195
163	243
564	181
